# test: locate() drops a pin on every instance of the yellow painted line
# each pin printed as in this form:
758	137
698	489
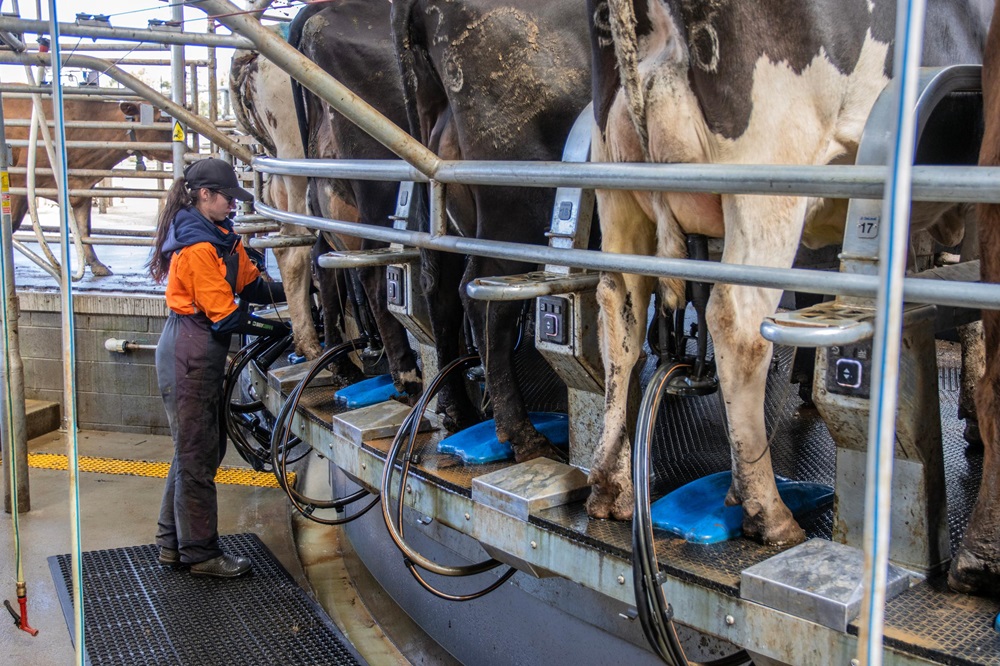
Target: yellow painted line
233	476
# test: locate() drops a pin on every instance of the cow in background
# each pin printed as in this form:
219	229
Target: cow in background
976	566
77	158
488	80
731	83
350	40
261	92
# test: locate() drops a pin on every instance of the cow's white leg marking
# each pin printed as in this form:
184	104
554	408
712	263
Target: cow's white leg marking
295	266
624	302
764	231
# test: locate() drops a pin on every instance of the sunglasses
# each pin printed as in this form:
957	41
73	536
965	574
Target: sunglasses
228	198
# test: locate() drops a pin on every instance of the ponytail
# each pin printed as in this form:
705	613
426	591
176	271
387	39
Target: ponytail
178	198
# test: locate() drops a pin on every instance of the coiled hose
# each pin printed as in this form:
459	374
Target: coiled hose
655	613
241	418
282	441
411	558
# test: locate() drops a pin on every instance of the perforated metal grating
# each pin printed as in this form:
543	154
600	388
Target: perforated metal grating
138	611
690	442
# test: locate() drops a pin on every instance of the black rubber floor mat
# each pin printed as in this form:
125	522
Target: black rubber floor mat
138	611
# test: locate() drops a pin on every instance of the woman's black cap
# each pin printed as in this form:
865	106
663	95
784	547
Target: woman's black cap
217	175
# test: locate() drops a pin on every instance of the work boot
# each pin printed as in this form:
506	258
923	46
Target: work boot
223	566
169	557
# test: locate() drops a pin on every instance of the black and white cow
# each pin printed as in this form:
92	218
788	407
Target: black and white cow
719	81
351	40
490	80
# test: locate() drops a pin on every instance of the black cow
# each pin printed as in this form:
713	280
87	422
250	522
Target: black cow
351	41
490	80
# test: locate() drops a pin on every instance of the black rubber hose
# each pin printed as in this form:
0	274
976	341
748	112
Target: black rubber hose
282	435
236	416
411	558
655	613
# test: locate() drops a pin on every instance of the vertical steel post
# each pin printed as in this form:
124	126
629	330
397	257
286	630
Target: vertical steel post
194	105
888	333
177	90
68	340
213	82
12	418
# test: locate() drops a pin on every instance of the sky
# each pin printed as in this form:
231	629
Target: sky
130	14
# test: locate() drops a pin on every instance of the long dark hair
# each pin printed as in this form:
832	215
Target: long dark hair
177	198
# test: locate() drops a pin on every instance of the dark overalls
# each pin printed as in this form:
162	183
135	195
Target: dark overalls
190	365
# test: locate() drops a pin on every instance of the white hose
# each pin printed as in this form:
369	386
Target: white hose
39	121
30	197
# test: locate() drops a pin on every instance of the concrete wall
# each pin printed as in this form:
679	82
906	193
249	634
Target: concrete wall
114	391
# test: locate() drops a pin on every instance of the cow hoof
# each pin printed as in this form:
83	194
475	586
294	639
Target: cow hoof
615	504
100	270
971	574
456	420
972	436
777	528
310	351
538	447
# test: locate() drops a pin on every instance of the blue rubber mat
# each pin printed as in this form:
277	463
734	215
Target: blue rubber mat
138	611
697	511
367	392
478	444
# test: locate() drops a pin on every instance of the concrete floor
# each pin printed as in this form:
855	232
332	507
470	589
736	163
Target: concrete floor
119	511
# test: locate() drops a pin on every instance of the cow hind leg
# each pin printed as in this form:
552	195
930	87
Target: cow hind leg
623	302
295	266
495	330
762	231
440	277
973	349
976	567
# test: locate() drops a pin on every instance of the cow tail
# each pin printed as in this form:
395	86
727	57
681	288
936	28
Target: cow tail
406	46
298	91
626	43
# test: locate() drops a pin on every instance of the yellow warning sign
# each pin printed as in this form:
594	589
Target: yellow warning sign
5	193
178	131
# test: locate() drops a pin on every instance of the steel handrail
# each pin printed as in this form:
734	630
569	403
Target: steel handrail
957	184
970	294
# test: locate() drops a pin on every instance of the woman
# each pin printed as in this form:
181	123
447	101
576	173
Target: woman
206	268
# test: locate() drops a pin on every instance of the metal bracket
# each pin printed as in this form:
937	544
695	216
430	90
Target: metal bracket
530	285
381	256
822	325
278	241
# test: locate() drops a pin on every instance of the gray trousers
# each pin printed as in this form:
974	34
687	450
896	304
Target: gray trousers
190	365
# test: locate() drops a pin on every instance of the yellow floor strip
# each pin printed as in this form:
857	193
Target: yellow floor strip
233	476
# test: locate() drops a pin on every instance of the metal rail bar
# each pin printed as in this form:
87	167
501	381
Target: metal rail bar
98	173
202	125
96	145
90	240
123	47
114	192
89	124
21	92
956	184
970	295
19	25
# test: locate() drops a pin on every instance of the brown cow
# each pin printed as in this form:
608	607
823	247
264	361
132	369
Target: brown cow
78	158
976	566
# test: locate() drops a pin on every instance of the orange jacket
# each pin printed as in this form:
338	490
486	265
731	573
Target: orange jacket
196	281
